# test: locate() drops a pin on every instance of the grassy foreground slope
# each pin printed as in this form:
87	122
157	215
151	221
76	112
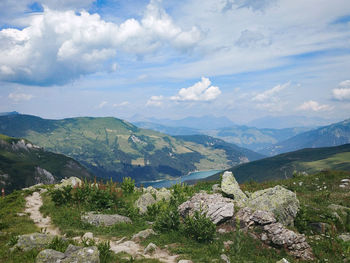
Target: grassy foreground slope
111	147
23	164
310	160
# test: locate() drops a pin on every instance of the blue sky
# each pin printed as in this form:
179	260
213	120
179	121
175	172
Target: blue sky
243	59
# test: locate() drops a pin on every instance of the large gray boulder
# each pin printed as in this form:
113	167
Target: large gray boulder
230	187
71	181
216	207
143	234
144	201
163	194
104	219
31	241
49	256
72	254
278	200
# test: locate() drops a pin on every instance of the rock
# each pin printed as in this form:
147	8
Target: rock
248	217
35	240
150	248
278	200
104	219
225	258
71	181
283	260
345	237
144	201
143	234
88	235
319	227
185	261
227	244
222	231
82	255
230	187
296	243
150	190
49	256
216	188
163	194
342	209
217	208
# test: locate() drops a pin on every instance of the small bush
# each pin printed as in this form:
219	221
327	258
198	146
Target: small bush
58	244
62	196
199	227
105	252
168	219
128	185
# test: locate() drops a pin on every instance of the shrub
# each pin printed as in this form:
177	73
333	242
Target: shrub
168	219
199	227
105	252
58	244
128	185
62	196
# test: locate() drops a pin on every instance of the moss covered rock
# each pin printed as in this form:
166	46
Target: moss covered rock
35	240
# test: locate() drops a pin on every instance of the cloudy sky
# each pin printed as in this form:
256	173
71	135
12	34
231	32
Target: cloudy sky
243	59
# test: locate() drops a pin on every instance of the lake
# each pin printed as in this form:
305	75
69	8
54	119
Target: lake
191	176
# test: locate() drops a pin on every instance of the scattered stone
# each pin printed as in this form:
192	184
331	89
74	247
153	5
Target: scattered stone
222	231
185	261
71	181
278	200
81	254
342	185
340	208
163	194
31	241
49	256
21	214
283	260
225	258
143	234
230	187
216	207
104	219
216	188
144	201
227	244
150	248
345	181
88	235
345	237
296	243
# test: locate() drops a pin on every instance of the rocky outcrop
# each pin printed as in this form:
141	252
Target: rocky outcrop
273	233
144	201
278	200
72	254
230	187
104	219
216	207
163	194
71	181
31	241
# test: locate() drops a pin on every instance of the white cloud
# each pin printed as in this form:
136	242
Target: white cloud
312	105
102	104
122	104
201	91
155	101
58	46
343	92
271	93
17	97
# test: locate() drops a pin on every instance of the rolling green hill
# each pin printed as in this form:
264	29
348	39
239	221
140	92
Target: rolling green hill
111	147
283	166
23	164
331	135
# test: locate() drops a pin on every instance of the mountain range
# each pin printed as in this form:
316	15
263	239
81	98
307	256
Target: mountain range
23	164
305	161
111	147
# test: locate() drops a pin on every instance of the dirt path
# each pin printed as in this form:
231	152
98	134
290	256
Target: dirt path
33	204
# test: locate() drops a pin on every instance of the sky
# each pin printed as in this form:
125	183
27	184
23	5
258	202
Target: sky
242	59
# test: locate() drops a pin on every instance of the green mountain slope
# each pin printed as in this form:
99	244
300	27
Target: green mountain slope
249	137
331	135
23	164
111	147
283	166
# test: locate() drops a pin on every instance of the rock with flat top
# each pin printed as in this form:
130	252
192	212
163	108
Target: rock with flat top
144	201
33	241
143	234
96	219
216	207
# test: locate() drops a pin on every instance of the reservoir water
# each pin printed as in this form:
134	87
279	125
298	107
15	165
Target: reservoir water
191	176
